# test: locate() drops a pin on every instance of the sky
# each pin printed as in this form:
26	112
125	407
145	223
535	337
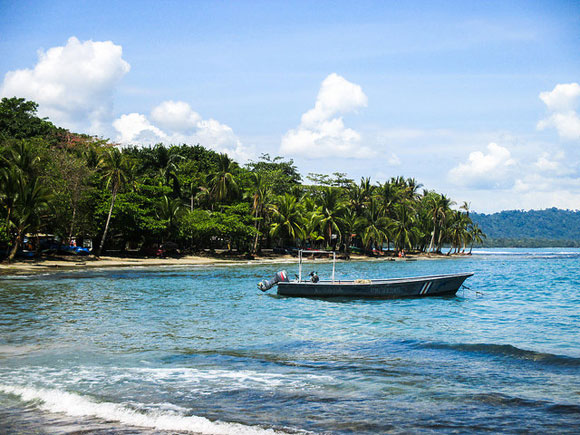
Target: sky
477	100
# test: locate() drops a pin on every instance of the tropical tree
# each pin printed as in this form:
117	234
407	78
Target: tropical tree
332	207
440	209
476	235
30	203
114	171
170	210
405	233
223	183
388	195
375	224
287	219
260	193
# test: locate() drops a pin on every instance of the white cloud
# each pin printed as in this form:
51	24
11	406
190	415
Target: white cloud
73	84
136	128
321	131
548	163
484	171
394	160
175	115
180	125
562	98
561	103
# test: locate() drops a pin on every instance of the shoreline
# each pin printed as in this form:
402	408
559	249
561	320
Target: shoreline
27	267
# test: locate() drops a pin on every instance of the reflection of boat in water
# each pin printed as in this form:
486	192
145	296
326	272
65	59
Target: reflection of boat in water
433	285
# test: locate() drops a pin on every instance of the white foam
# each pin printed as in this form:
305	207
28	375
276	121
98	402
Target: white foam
76	405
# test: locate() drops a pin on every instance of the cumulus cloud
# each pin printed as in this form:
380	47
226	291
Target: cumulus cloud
176	116
561	103
483	171
322	131
176	122
136	128
73	84
549	163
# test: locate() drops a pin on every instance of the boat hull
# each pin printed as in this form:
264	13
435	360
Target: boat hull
436	285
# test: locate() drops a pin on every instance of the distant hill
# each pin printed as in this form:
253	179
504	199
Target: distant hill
534	228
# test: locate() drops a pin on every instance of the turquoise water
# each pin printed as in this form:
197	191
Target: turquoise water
200	349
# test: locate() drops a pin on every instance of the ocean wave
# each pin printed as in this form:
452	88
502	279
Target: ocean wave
507	350
500	399
75	405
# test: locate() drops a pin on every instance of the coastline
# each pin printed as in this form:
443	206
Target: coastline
26	267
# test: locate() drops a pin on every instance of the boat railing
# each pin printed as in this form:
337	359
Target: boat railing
300	252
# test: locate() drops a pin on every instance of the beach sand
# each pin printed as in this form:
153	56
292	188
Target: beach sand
78	263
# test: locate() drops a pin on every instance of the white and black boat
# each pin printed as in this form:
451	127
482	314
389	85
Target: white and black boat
420	286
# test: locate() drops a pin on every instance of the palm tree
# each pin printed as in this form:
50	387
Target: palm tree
223	183
332	207
440	207
30	203
349	224
115	172
403	226
260	194
22	157
169	210
388	194
476	235
9	187
288	221
375	225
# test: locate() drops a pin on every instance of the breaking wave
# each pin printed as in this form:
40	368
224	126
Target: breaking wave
169	419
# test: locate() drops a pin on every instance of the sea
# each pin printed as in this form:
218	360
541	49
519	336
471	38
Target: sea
199	349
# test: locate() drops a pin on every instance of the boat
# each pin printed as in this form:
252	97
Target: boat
313	287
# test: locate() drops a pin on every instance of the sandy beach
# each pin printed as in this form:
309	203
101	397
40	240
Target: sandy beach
70	262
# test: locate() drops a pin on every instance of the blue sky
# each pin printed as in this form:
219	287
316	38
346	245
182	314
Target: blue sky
446	92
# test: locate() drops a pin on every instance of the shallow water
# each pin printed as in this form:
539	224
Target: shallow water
201	349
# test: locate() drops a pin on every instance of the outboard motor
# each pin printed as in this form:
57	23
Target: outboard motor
267	284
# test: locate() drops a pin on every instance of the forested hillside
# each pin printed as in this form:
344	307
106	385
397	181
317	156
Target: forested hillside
78	189
550	227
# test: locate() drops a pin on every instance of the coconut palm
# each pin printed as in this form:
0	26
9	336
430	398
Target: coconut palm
29	205
405	233
440	208
287	219
476	235
388	195
169	210
223	183
260	193
350	223
115	172
332	207
375	225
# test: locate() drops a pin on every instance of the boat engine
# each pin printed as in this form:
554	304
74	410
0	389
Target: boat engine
267	284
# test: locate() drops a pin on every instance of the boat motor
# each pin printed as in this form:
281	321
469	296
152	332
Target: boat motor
267	284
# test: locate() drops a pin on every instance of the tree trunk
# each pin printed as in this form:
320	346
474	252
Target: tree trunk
432	240
14	249
256	239
108	220
191	203
72	224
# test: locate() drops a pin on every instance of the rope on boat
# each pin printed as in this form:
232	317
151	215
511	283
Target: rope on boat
477	293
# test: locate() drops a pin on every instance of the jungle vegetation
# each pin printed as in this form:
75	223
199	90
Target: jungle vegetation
74	186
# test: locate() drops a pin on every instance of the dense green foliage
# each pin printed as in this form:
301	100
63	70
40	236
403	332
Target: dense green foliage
534	228
77	187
